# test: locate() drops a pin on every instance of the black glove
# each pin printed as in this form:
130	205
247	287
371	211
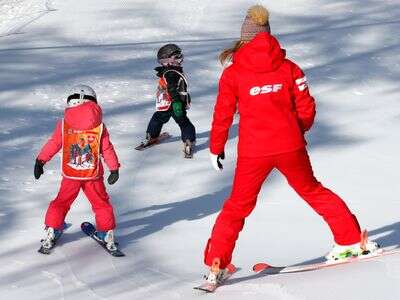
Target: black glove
220	156
113	177
38	170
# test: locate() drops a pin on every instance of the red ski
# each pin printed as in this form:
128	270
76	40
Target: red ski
163	136
264	268
267	269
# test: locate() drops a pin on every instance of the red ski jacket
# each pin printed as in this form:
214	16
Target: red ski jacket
82	117
271	95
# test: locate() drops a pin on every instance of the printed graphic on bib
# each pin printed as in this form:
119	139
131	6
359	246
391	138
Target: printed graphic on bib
81	149
163	99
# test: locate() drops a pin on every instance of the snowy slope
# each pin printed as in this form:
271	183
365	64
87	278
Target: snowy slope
166	205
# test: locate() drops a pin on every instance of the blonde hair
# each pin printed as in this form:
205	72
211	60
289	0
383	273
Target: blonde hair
257	20
226	54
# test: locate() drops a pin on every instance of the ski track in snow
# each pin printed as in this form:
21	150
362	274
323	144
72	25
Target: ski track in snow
276	291
56	279
18	14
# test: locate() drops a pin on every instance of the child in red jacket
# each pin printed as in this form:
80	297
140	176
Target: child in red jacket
82	138
271	95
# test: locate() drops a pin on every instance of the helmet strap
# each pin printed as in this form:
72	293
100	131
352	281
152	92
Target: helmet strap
82	96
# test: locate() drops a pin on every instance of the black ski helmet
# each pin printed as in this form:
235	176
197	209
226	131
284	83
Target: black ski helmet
168	51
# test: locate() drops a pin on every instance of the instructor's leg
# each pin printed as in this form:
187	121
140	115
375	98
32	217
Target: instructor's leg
297	168
249	176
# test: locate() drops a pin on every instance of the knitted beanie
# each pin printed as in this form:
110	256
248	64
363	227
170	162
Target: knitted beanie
256	21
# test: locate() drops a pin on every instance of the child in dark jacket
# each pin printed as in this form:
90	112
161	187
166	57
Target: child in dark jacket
173	99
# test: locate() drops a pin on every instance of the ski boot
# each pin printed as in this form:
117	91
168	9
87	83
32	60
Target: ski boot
106	237
188	149
148	140
216	275
364	247
52	235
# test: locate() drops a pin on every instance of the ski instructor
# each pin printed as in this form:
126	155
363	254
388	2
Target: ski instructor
276	109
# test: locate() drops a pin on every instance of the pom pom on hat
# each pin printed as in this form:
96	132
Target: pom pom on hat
256	21
258	14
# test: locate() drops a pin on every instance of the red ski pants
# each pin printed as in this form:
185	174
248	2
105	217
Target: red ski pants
94	190
250	175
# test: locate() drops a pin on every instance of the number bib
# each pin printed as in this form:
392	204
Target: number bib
81	152
163	99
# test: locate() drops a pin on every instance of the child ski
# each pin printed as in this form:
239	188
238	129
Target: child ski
150	142
104	239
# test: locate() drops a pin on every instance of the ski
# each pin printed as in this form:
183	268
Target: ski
89	229
163	136
208	287
48	250
264	268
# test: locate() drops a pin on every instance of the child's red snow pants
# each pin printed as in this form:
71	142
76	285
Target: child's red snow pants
96	193
250	175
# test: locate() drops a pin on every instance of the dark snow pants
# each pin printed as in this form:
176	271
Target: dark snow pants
159	118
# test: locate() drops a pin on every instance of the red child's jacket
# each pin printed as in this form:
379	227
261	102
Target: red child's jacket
82	117
271	95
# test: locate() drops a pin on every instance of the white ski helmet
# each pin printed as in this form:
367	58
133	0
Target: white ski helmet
80	94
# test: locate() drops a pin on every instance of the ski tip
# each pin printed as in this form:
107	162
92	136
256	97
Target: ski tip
86	224
260	267
231	268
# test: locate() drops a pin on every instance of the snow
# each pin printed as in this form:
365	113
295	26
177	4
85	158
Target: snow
166	205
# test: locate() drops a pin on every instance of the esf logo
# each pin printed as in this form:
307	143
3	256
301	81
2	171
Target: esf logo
265	89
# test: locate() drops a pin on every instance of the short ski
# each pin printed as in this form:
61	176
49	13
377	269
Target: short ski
46	250
89	229
264	268
210	287
163	136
